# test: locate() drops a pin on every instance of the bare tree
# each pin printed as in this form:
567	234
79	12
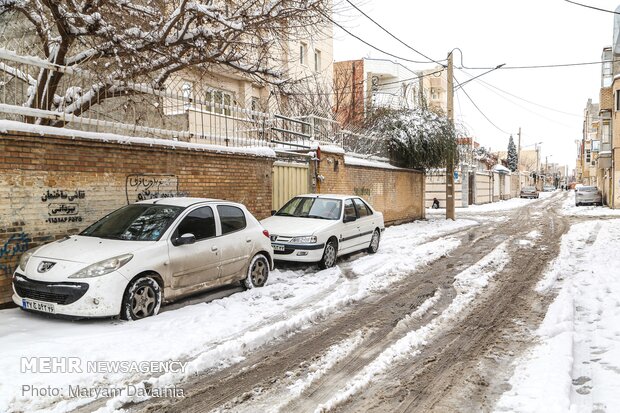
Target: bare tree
128	43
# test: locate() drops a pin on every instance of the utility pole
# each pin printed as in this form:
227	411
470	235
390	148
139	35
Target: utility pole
450	213
519	159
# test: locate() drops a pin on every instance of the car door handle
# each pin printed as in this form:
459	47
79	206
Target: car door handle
214	248
248	240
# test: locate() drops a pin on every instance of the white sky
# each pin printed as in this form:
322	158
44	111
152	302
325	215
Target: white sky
491	32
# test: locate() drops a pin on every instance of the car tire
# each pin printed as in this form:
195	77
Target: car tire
258	272
142	299
374	242
330	255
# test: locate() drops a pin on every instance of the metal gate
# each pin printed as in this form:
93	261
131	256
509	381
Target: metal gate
289	179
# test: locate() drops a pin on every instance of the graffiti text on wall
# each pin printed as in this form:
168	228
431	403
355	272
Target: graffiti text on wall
13	247
61	211
145	186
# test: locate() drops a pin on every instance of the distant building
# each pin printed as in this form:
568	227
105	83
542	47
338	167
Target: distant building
366	84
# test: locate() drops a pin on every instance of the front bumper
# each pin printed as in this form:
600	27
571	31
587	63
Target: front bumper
297	252
82	298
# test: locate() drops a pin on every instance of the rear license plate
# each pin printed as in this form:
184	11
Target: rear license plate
277	247
38	306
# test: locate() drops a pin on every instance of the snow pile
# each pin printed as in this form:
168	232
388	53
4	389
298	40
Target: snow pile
371	163
575	367
207	335
468	285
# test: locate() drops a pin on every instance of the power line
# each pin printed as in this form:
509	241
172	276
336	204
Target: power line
520	98
460	85
591	7
528	110
392	35
369	44
481	112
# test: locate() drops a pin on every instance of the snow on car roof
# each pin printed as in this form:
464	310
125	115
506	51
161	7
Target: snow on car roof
179	201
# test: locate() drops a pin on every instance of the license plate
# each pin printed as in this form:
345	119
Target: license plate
38	306
277	247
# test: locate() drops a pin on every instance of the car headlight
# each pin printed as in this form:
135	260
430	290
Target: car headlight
303	240
103	267
23	260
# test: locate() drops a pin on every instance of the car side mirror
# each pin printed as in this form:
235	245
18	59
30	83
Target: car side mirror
184	239
349	219
273	212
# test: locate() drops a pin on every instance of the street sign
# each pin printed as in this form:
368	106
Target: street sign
456	175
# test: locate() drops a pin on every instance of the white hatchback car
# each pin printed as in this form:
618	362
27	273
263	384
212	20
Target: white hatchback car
319	228
142	255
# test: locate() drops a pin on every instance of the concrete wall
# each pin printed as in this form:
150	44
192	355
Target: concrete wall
41	174
398	193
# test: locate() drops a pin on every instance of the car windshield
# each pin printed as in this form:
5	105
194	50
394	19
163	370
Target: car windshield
137	222
318	208
587	189
529	189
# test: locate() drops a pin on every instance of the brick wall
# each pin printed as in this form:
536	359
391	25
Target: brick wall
51	186
398	193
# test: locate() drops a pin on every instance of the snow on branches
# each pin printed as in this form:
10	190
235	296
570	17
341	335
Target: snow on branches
418	138
146	41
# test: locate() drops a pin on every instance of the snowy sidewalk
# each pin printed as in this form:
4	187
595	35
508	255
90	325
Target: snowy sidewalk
576	365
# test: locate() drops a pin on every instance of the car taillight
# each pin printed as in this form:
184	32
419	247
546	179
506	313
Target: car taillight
266	233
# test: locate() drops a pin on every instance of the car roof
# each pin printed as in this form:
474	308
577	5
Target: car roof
181	201
329	196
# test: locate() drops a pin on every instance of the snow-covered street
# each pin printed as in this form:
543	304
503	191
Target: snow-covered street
512	307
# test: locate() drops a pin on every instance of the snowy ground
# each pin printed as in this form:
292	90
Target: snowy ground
498	206
576	365
204	336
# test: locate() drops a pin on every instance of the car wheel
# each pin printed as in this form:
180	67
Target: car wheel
142	299
329	255
258	272
374	242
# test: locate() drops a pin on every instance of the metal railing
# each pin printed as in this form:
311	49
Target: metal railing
183	110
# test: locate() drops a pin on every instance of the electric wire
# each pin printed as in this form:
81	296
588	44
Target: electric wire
520	98
480	110
367	43
591	7
394	36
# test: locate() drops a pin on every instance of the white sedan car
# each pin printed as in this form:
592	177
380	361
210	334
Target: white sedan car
319	228
142	255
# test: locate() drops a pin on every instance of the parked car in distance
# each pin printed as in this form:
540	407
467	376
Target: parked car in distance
528	192
142	255
588	195
548	188
320	228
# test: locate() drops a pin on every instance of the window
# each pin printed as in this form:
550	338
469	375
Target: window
199	222
137	222
317	60
303	53
254	106
214	99
606	135
362	208
618	100
231	218
588	153
434	93
349	209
